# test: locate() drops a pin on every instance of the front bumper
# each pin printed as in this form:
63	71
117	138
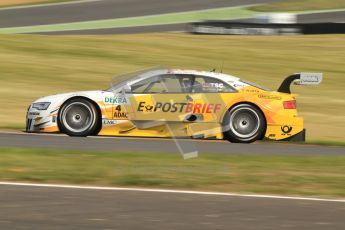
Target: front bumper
41	120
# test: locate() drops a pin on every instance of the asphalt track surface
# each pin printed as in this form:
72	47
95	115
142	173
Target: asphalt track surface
108	9
160	145
303	18
26	207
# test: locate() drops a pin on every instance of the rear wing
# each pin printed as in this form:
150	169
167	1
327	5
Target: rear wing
300	79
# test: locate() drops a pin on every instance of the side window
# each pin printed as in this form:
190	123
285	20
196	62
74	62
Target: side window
144	85
156	87
203	84
164	84
186	82
172	83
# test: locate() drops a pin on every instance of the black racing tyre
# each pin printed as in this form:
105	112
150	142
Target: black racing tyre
78	117
244	123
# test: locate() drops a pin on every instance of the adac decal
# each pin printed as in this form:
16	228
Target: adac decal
179	107
119	113
286	129
115	100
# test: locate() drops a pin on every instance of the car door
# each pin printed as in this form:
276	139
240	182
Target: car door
211	97
161	98
191	105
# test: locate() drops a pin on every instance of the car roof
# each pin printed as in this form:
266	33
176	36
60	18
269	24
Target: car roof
146	74
222	76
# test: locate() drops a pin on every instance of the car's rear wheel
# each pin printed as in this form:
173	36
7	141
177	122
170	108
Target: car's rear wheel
244	123
78	117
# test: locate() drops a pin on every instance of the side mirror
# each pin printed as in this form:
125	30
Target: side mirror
126	89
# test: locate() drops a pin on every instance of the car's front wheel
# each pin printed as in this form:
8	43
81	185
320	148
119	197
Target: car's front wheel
78	117
244	123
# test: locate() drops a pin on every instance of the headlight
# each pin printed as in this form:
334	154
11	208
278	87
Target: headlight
41	105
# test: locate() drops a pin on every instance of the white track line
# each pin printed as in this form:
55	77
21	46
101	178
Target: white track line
169	191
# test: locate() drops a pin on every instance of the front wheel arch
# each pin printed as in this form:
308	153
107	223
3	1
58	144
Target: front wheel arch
98	110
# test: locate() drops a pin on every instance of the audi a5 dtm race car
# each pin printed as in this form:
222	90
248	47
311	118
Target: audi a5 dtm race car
176	103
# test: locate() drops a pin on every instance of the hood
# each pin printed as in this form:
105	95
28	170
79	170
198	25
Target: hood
93	95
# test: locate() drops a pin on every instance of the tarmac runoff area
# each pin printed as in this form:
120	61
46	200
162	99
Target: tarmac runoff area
46	206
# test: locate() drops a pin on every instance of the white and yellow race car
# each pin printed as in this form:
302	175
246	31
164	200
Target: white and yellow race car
176	103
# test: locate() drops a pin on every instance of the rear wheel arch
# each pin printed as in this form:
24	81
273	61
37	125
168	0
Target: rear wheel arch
227	116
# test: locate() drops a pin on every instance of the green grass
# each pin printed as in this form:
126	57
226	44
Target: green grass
326	142
300	5
292	175
34	66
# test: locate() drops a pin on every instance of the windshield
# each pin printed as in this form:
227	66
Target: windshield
123	79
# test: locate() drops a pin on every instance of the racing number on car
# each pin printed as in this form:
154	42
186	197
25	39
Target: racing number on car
118	108
118	112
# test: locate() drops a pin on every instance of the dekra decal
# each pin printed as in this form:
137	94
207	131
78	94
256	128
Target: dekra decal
115	100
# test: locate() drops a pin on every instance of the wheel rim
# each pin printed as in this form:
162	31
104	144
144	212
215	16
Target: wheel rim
244	122
78	117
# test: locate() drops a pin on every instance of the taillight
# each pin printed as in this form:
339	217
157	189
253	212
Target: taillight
289	104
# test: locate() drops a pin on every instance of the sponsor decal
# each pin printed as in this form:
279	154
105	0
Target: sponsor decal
237	85
179	107
119	113
107	122
40	124
148	107
213	85
270	97
245	30
116	100
34	113
250	90
286	130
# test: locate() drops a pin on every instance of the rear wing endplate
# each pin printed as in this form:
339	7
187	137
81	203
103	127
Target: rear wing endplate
300	79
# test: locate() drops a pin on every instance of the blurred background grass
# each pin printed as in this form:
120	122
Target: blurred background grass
33	66
267	174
